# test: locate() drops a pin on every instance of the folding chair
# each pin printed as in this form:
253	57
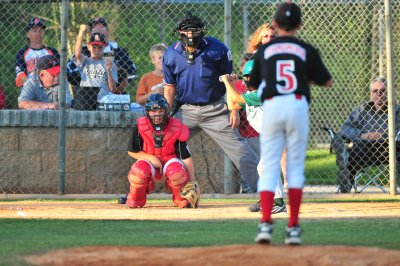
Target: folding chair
370	173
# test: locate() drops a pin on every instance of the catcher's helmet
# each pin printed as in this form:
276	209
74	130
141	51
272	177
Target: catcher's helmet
155	102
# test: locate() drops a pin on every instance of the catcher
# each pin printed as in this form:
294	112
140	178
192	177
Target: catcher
158	143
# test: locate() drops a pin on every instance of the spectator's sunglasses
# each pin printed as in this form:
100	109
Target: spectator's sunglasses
383	90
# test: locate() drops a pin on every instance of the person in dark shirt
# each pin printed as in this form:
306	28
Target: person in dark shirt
27	58
282	71
366	127
192	67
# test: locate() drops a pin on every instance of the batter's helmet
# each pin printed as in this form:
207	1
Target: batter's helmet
248	67
155	102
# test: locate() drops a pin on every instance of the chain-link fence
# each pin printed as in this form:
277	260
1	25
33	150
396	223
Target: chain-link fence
351	36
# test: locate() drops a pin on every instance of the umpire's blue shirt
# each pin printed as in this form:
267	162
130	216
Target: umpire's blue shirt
198	83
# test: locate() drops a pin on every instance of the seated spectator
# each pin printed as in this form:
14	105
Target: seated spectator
152	82
3	98
366	127
96	70
42	93
26	59
112	50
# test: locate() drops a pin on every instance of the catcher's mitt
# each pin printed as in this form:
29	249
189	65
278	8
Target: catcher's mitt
191	192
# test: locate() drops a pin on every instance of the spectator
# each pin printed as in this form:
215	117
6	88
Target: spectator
262	35
251	102
112	50
26	59
42	93
192	68
161	159
366	127
3	98
152	82
96	70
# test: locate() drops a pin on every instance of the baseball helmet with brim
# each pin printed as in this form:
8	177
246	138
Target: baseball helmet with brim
248	67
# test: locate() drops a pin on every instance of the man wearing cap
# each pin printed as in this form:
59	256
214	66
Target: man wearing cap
96	71
27	57
42	93
119	54
192	67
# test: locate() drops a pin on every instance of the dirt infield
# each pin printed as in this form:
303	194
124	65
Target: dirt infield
216	255
166	211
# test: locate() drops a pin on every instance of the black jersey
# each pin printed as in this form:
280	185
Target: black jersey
286	65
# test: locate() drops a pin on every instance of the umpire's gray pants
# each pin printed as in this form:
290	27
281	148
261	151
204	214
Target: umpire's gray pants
214	120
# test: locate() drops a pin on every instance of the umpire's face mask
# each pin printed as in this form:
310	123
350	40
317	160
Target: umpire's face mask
191	37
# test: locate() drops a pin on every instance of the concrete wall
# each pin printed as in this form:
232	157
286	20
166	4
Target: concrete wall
96	153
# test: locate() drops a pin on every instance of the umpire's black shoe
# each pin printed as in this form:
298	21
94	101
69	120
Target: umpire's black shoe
255	207
122	199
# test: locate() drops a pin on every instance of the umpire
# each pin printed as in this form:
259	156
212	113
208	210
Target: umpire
192	67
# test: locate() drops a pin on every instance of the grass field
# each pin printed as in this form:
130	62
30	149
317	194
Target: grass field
24	236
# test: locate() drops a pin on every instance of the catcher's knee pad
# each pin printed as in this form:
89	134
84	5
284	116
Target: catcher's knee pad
139	177
177	177
176	173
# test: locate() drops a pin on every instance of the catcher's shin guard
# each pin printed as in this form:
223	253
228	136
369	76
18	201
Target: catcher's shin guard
177	177
139	177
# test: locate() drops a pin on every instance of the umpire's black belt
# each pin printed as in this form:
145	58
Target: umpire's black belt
204	104
199	104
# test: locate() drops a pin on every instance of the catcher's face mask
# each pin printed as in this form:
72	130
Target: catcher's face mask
157	116
156	110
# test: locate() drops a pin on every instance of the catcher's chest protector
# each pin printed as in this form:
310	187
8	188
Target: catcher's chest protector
173	131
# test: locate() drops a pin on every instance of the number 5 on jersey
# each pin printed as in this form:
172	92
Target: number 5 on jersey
285	75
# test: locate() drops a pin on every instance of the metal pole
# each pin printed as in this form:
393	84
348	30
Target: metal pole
228	165
245	26
228	23
381	45
62	93
391	97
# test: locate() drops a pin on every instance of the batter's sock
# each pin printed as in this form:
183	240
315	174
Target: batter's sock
267	200
279	202
295	195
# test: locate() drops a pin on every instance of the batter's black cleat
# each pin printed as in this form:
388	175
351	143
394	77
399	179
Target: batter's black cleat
255	207
122	199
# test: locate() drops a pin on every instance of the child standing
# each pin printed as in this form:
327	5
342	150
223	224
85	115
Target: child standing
152	82
96	70
282	71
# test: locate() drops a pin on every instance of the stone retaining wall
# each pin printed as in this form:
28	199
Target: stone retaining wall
95	153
